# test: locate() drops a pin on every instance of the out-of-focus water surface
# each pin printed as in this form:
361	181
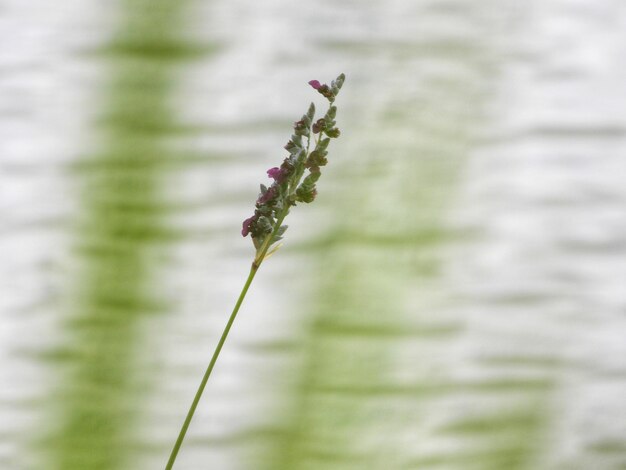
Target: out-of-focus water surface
454	299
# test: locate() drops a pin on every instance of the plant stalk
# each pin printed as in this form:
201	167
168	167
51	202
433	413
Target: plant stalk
207	374
194	404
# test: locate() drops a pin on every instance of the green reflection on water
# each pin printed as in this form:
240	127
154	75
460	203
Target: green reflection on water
357	405
120	227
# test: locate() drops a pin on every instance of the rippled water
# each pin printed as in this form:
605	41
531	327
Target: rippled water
454	299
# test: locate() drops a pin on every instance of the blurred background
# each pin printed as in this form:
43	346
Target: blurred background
454	299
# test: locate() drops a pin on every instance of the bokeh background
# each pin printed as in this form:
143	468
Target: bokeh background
454	299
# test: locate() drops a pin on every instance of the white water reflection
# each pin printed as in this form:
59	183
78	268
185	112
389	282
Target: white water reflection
547	278
539	286
46	87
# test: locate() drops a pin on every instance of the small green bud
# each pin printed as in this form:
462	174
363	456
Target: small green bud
306	194
289	146
297	141
301	157
322	144
312	178
264	224
334	133
311	112
338	82
317	158
301	127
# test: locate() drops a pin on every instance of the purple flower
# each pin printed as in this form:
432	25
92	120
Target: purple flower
274	173
315	84
280	174
268	196
247	225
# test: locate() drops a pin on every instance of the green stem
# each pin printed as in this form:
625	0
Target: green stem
192	409
207	374
256	264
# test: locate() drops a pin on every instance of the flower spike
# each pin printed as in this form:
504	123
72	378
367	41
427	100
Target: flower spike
295	179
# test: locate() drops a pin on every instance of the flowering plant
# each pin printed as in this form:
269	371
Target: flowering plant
307	155
289	187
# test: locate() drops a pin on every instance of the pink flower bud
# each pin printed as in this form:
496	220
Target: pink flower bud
315	84
274	173
268	196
